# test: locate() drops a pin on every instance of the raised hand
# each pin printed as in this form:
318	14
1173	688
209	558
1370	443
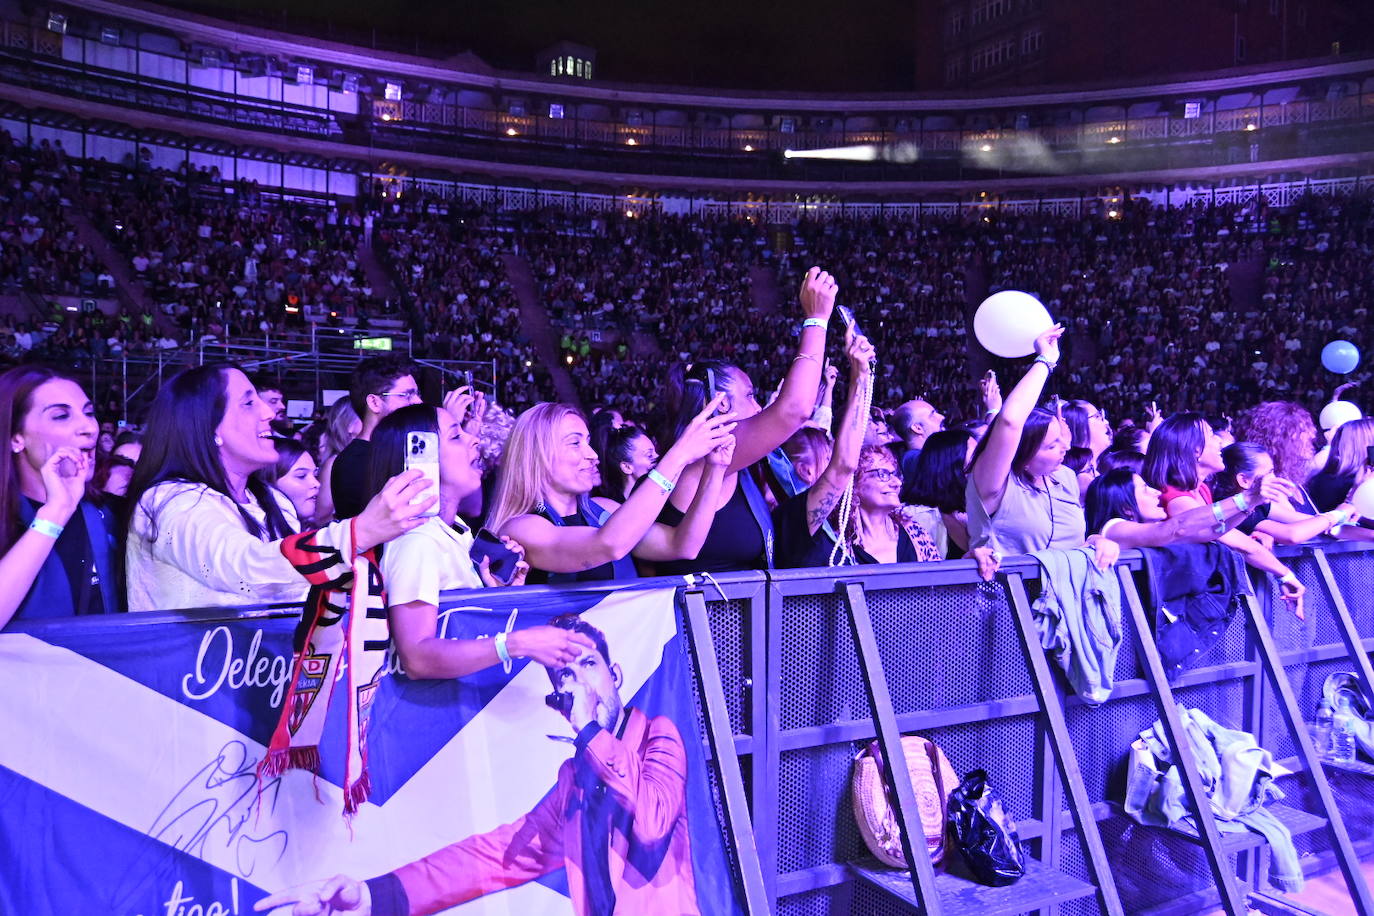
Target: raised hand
818	291
1269	488
991	392
1153	417
1047	344
339	894
722	454
522	569
458	403
64	477
706	431
861	354
398	508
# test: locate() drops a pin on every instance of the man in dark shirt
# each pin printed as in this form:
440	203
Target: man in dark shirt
380	385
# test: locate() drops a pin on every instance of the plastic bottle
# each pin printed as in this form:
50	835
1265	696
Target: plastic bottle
1323	729
1343	740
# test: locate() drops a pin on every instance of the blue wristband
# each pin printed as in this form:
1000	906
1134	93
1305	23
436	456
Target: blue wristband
822	323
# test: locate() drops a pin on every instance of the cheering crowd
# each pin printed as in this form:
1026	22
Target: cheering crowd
192	512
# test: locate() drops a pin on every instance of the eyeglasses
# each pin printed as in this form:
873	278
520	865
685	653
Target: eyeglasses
883	475
410	394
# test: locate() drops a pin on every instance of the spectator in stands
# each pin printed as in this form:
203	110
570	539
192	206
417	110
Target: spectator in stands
937	495
1183	453
543	497
1130	439
1346	468
380	385
269	389
294	474
627	454
913	422
437	557
1020	496
741	535
57	549
341	426
205	531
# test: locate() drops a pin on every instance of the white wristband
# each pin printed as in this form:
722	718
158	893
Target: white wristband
1290	578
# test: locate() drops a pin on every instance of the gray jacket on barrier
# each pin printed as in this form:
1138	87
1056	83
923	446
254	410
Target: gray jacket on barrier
1078	614
1238	775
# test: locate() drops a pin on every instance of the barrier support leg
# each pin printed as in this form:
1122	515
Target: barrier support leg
1346	624
1052	713
1346	858
1232	899
722	742
900	793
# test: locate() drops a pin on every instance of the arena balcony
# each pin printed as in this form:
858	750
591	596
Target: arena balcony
428	117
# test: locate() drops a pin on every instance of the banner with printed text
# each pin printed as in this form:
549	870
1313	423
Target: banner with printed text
128	757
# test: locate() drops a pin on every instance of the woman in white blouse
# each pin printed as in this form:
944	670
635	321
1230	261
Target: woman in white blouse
436	557
204	531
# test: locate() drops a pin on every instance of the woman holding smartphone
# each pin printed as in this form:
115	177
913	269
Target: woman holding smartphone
437	556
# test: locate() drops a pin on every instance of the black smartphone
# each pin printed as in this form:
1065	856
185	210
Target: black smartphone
503	559
1369	455
711	387
847	317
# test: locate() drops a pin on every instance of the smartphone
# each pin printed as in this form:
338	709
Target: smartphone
467	377
422	452
1369	455
847	317
711	388
502	558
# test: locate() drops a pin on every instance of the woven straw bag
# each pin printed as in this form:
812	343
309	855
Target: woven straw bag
932	779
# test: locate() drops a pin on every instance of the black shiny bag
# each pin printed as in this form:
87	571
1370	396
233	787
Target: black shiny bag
984	833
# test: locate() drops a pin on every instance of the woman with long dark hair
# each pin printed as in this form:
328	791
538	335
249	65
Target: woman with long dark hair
204	530
741	535
437	557
295	475
57	549
627	456
937	490
1183	453
1122	506
1243	464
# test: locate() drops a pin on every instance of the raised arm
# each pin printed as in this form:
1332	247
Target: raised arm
64	476
766	430
993	465
683	541
825	492
573	549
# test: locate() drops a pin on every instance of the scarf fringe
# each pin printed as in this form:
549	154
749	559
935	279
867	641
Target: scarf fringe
357	793
280	759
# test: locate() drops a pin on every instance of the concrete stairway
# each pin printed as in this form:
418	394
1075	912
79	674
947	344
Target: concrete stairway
133	296
535	321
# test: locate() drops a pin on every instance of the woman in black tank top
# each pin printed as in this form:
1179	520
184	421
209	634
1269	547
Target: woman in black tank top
742	536
543	499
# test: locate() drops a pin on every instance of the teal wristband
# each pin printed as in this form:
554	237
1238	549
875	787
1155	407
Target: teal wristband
501	651
664	484
1241	502
822	323
43	526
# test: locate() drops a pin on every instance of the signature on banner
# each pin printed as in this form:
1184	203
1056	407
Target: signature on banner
221	808
178	904
218	666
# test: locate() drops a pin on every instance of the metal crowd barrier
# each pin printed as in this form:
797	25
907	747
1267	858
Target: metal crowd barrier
804	667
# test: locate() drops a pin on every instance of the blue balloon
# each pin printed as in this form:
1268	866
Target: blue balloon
1340	356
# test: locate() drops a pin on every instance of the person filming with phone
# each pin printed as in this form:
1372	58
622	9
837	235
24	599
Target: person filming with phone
442	553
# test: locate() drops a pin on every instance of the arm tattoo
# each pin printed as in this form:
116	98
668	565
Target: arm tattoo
821	510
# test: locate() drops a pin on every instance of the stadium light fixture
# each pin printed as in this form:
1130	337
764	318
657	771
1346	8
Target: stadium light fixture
631	141
392	92
109	35
512	132
748	147
1113	140
57	23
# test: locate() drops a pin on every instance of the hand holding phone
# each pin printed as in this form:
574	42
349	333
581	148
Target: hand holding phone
501	560
422	454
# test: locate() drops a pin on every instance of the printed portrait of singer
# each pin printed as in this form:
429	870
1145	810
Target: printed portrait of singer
616	819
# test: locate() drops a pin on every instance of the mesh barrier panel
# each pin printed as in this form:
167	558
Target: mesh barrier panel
820	680
728	625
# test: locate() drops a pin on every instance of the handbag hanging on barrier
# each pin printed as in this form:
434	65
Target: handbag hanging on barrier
985	833
932	777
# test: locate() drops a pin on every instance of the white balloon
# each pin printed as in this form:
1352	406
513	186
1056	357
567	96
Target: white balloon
1363	498
1338	413
1007	323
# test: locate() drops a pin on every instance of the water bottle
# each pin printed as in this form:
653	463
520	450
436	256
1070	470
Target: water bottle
1343	740
1322	730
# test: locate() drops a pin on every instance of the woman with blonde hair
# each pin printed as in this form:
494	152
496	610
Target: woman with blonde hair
1347	466
341	426
543	497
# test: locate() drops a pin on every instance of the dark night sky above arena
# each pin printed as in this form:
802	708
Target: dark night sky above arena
802	45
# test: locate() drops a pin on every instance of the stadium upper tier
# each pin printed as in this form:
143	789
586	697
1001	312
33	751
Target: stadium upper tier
305	96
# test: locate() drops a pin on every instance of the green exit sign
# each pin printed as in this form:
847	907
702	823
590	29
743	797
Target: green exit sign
372	343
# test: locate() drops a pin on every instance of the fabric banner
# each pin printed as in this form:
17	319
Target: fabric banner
128	755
